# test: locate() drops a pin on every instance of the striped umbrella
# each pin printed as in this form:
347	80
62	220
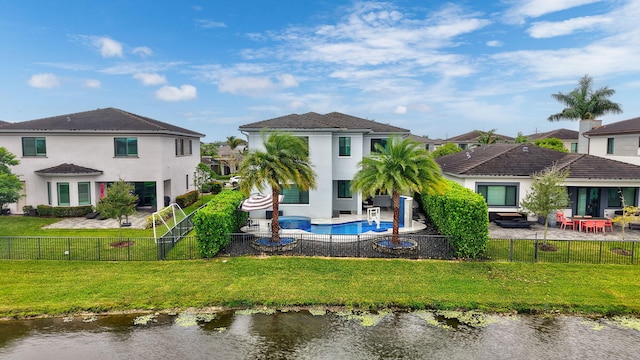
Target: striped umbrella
258	202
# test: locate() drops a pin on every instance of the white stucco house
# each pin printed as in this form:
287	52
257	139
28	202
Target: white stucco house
69	160
503	174
617	141
337	143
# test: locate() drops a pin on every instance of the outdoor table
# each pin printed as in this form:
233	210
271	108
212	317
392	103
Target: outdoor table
511	215
579	220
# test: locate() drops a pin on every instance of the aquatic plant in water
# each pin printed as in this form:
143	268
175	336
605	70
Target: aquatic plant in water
317	312
144	319
472	319
627	322
190	319
264	311
89	319
365	319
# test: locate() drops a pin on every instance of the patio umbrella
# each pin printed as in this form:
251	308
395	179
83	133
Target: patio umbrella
258	202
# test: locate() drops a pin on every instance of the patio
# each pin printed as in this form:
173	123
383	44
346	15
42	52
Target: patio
555	233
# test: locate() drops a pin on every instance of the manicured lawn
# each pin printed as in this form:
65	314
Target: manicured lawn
57	287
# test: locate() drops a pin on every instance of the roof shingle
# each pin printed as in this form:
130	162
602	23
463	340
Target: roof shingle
621	127
68	169
334	120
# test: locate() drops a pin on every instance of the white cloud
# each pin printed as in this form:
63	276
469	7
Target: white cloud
150	78
255	85
172	93
92	83
547	29
494	43
143	51
209	24
44	81
400	110
536	8
108	47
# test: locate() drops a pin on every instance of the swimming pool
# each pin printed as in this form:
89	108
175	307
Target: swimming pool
350	228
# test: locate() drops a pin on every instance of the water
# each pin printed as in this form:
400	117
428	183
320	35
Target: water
301	335
350	228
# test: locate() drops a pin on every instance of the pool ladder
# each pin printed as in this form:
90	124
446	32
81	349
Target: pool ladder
373	215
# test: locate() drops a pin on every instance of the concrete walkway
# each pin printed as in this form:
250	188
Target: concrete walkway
137	220
555	233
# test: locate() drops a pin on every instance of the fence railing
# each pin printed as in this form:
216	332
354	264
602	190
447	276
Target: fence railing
169	240
563	251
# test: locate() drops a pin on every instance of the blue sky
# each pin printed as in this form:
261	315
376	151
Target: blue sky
437	68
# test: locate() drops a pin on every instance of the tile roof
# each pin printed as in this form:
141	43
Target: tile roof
4	122
621	127
334	120
473	136
562	134
528	159
68	169
100	120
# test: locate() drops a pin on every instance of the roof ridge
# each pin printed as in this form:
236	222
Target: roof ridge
507	149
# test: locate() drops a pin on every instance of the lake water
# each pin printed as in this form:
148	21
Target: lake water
314	335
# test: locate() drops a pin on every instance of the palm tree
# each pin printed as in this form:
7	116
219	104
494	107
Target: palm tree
402	167
585	104
234	142
486	138
521	139
284	162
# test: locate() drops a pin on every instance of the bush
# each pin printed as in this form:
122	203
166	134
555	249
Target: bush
64	211
215	223
187	199
462	215
214	187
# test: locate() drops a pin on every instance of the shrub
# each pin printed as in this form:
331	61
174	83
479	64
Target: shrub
187	199
215	223
64	211
462	215
214	187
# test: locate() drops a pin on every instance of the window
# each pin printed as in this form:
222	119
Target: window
344	189
186	179
609	145
345	146
293	195
574	147
126	146
382	142
628	193
426	147
63	194
84	193
462	146
183	147
34	146
49	192
499	195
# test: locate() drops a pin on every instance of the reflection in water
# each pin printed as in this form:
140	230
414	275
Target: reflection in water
301	335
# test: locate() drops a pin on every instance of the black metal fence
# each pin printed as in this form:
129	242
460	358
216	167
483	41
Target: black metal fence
563	251
410	246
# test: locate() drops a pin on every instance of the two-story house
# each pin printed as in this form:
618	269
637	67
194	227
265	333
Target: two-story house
337	143
618	141
70	160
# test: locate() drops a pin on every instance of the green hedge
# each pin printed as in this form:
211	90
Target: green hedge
64	211
215	223
214	187
187	199
165	214
462	215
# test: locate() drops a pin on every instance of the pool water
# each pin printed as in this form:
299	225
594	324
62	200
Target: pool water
350	228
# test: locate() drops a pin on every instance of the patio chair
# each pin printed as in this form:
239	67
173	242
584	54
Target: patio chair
589	224
559	216
564	222
599	225
608	224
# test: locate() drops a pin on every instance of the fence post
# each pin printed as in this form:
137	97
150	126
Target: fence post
39	249
9	250
600	255
633	248
69	248
568	251
358	246
510	250
535	254
128	250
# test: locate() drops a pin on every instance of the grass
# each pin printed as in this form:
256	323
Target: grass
58	287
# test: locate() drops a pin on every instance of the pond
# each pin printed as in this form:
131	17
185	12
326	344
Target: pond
315	334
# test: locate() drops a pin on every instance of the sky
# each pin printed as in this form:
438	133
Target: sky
437	68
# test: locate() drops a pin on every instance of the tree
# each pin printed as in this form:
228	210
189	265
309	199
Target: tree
283	163
521	139
486	138
209	149
201	176
10	184
400	168
119	202
551	143
234	142
547	194
629	214
583	103
446	149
